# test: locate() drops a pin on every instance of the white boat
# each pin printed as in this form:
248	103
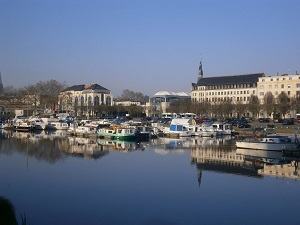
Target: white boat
5	126
39	124
23	125
180	127
85	129
222	128
57	126
269	143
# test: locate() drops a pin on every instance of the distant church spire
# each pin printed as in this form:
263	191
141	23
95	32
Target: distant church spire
1	85
200	71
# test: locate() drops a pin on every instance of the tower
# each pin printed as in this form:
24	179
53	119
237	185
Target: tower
1	85
200	71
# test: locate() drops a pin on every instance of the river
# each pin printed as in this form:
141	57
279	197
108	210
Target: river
51	178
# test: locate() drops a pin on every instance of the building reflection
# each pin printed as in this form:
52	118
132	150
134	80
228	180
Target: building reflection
222	156
271	163
49	146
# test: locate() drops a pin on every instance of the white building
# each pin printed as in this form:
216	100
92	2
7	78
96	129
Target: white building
85	99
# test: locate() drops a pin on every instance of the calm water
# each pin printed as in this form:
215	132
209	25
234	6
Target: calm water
55	179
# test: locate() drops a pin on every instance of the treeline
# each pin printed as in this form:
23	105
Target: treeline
273	107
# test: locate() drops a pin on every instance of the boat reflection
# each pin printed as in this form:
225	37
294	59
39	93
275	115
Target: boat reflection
123	146
179	145
85	147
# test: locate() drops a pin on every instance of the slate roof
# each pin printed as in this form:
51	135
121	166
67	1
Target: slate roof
233	79
82	87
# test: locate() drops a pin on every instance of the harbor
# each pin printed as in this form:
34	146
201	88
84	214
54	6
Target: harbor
53	168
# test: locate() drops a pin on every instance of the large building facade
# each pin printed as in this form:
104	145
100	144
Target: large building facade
85	100
238	89
234	88
290	84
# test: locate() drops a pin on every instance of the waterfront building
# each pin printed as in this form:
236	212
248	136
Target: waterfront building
160	101
290	84
218	89
85	100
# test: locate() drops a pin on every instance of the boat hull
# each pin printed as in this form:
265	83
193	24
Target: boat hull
266	146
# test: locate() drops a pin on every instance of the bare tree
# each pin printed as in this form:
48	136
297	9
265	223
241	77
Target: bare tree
254	105
269	103
283	103
136	96
295	103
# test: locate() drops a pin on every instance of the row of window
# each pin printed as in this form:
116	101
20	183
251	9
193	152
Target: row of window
276	93
224	86
277	79
229	99
202	94
276	86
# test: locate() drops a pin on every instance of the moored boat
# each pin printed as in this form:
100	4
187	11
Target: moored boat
23	125
269	143
57	126
117	133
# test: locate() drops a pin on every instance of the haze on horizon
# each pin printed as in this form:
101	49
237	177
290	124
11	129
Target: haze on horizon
145	46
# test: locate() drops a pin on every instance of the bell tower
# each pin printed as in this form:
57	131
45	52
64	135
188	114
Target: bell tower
1	85
200	71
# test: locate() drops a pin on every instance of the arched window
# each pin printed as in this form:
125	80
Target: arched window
108	100
96	101
82	101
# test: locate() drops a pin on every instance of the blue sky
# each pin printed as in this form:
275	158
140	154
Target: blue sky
145	45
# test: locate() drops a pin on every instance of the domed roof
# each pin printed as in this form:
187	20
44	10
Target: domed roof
183	94
171	94
165	94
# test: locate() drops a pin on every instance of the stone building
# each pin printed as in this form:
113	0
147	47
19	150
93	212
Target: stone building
85	100
234	88
290	84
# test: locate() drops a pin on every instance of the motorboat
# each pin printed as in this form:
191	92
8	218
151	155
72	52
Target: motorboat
117	133
39	124
269	143
23	125
57	126
223	128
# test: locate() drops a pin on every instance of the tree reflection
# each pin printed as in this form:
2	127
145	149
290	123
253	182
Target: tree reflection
7	213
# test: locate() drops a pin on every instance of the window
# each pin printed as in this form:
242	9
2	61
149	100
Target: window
261	93
270	86
261	87
290	78
276	92
289	93
298	85
276	86
288	86
282	86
